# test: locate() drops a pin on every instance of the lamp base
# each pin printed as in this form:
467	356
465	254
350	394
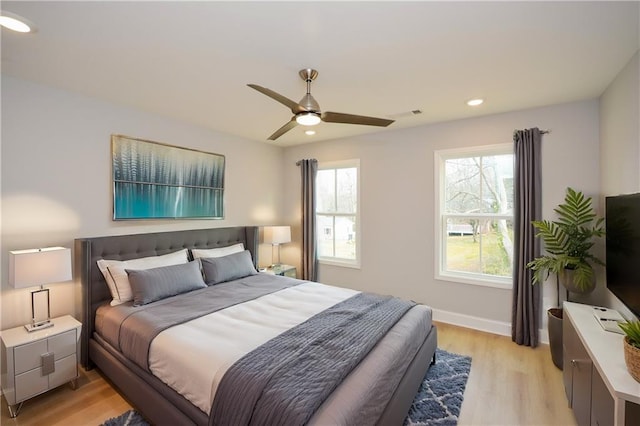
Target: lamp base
38	326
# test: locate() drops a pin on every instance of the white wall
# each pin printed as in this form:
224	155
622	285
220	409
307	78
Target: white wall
620	133
56	177
620	147
56	184
397	194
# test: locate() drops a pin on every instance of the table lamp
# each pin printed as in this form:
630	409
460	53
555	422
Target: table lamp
276	235
37	267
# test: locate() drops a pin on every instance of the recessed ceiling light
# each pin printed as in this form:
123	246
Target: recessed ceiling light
16	23
475	102
310	132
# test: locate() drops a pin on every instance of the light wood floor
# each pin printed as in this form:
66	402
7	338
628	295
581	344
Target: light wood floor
93	402
508	385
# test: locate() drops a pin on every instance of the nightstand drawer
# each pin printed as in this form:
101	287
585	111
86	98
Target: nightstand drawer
31	383
291	273
27	357
282	270
63	345
66	370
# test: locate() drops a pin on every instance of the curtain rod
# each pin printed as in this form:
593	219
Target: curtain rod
544	131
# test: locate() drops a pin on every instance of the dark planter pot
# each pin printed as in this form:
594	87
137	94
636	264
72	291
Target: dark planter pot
554	327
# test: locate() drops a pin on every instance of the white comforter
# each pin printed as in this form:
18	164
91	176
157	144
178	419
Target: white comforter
176	355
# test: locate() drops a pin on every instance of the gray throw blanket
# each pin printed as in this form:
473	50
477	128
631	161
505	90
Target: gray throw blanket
284	381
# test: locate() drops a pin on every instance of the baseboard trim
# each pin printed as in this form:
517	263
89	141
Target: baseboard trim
482	324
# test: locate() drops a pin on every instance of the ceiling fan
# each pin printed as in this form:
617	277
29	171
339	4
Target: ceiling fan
307	111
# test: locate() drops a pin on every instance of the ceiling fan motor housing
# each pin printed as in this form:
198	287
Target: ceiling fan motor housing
309	103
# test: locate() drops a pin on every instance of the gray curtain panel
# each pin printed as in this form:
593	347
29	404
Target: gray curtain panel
309	170
527	207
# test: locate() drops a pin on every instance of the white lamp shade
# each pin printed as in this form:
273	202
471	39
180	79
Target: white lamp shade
277	234
33	267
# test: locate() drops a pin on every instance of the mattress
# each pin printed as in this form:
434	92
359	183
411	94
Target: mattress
192	357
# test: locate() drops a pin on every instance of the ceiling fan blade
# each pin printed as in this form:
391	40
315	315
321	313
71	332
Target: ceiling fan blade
284	129
338	117
294	106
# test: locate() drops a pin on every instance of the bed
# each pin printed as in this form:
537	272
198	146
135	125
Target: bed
377	389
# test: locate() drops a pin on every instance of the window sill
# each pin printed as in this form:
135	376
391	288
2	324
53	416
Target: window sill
505	284
343	264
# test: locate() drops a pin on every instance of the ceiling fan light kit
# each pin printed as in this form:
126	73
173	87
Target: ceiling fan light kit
308	118
307	112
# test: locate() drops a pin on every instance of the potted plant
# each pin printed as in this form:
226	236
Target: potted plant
568	243
632	347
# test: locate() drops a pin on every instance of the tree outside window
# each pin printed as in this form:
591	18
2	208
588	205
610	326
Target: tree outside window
476	214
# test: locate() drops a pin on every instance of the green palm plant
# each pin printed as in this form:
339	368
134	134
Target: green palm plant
568	241
632	330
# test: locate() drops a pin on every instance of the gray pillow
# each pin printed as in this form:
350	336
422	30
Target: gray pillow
232	267
150	285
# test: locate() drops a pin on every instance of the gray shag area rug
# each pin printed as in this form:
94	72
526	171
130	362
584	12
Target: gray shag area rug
438	400
130	418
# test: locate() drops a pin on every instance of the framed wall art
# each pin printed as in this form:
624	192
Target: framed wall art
153	180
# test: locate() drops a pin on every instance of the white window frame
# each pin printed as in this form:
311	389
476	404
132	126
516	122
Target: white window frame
337	261
441	273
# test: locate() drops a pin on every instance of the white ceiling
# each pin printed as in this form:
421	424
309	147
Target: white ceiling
192	61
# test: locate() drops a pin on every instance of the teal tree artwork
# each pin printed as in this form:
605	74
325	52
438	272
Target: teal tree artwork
158	181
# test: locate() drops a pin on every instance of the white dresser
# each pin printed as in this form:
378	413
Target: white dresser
599	388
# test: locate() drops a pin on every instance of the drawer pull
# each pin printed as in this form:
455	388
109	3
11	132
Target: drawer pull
48	363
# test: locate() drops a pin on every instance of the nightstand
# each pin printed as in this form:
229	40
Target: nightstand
33	363
283	270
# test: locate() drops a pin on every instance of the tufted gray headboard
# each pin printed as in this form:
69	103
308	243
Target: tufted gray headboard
123	247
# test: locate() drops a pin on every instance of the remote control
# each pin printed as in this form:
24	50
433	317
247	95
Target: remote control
608	319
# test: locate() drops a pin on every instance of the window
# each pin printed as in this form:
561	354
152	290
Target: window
337	214
474	220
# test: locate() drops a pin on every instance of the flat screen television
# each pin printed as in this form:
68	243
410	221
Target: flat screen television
623	249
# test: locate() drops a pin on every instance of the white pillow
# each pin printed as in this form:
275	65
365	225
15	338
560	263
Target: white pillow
118	280
218	252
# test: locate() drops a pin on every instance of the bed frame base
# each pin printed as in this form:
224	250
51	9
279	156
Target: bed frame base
400	403
154	406
162	409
